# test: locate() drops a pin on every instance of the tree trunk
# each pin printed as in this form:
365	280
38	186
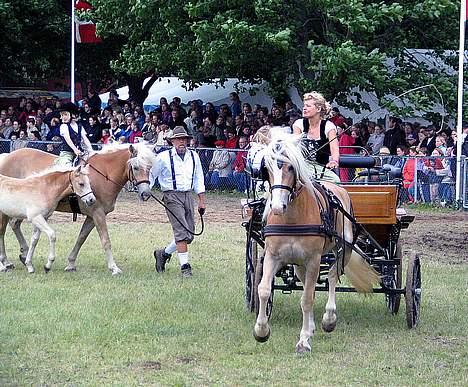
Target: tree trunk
136	91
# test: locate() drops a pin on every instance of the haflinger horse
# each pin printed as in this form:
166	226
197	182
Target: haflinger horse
35	199
294	218
109	170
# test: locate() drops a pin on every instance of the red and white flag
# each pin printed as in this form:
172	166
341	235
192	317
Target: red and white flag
85	29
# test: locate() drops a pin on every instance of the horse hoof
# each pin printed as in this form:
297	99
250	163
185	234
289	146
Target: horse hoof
261	339
328	327
46	269
10	266
116	272
70	269
31	271
22	259
302	349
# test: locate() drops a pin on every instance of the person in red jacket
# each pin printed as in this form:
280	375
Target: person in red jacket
135	134
346	140
409	170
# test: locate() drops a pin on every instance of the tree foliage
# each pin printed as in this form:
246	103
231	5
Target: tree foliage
339	48
33	43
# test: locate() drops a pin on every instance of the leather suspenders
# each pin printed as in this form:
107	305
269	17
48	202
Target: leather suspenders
171	159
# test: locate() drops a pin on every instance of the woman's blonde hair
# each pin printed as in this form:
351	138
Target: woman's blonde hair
319	101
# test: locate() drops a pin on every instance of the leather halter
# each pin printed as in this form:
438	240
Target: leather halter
73	189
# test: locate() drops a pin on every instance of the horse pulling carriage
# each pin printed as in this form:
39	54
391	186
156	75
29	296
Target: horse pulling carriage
376	227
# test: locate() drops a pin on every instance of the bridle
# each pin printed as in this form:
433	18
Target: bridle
73	189
130	176
293	190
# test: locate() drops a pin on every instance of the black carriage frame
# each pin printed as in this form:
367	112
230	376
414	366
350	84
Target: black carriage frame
386	258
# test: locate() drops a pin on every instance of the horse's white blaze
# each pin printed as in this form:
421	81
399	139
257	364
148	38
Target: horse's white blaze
279	197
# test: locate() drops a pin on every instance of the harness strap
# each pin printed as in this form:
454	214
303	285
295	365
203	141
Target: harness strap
294	229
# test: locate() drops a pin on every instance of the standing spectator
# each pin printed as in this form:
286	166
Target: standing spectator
429	141
236	106
394	135
94	101
179	172
210	112
376	139
337	118
346	142
239	175
408	172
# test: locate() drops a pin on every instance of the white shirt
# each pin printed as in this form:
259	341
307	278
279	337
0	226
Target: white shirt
184	171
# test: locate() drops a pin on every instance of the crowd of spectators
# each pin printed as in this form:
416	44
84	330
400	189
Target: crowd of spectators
230	127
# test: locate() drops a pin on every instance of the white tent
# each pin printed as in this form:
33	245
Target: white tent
171	87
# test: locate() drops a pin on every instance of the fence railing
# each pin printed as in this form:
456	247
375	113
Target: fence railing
424	179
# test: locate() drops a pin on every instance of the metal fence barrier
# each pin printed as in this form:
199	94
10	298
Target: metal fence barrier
425	179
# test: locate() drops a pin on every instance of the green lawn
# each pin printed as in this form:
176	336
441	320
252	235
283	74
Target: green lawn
88	328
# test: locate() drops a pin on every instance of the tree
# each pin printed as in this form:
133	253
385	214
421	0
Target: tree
339	48
27	30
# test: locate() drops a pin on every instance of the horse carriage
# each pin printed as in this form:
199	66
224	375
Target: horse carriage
376	220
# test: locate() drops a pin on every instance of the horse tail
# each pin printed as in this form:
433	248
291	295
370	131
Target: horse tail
362	275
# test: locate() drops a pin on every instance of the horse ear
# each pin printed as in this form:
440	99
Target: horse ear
132	150
78	170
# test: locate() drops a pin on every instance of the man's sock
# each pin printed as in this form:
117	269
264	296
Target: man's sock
183	258
171	247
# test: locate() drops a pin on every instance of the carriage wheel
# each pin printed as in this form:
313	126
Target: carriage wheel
413	291
250	269
393	300
257	279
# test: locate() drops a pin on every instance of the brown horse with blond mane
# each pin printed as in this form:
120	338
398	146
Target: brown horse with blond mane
295	233
109	170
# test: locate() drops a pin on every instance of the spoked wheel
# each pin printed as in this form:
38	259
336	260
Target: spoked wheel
413	291
257	279
393	299
251	258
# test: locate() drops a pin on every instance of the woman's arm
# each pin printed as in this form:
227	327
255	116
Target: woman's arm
334	149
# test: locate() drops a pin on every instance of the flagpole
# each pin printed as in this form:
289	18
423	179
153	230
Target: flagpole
72	66
461	57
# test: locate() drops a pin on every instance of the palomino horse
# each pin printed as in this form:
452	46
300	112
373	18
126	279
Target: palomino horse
293	234
109	170
35	198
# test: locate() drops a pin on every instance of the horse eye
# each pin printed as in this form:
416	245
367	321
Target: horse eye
82	185
280	164
290	168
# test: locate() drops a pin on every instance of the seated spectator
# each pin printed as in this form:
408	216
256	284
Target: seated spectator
135	134
440	143
220	168
93	131
21	141
192	122
106	137
54	129
210	112
231	142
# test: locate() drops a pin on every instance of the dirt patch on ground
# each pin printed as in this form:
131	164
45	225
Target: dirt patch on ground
433	235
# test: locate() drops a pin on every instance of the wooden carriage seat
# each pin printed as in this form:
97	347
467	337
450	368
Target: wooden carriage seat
374	204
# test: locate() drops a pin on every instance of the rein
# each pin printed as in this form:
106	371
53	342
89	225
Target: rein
200	211
129	177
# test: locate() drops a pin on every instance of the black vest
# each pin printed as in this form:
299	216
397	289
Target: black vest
316	150
75	137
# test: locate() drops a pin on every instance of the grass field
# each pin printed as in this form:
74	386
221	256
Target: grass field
88	328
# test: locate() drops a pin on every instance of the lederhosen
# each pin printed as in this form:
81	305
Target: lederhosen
180	203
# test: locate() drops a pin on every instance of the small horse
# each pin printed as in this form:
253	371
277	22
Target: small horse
109	170
35	198
295	203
